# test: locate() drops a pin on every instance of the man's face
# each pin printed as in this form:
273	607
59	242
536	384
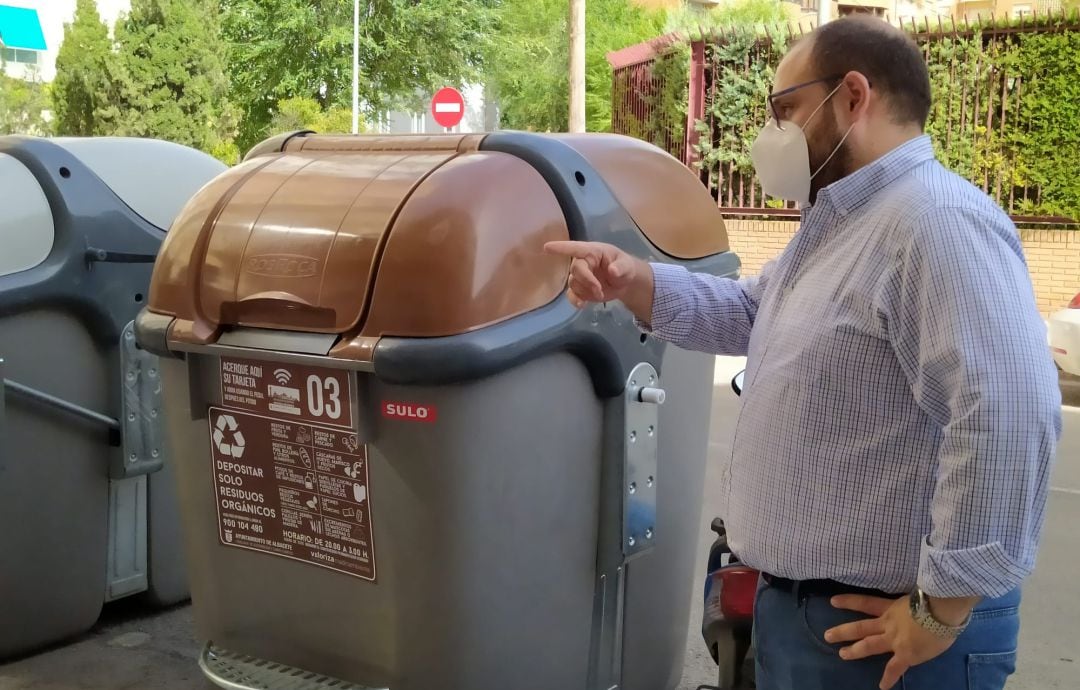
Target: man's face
796	105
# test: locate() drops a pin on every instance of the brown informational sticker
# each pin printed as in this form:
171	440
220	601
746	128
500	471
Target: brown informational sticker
292	489
304	393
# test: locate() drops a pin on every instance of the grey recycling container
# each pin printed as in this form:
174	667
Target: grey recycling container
89	513
404	460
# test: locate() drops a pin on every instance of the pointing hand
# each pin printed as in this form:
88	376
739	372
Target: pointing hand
603	273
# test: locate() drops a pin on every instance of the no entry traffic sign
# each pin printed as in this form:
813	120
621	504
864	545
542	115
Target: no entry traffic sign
448	107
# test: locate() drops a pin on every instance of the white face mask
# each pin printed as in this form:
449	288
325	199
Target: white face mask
781	158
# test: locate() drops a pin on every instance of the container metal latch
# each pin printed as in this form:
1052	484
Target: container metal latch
643	398
142	423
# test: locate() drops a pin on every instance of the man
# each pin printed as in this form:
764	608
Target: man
901	411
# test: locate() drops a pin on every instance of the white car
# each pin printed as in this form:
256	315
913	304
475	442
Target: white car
1064	332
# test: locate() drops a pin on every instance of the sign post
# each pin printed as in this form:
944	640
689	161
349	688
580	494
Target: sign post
448	107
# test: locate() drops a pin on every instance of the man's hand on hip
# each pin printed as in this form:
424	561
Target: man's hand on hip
604	273
891	630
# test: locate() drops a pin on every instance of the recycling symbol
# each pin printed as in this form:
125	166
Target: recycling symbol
227	437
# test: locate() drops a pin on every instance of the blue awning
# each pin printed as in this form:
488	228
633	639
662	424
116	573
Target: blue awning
20	28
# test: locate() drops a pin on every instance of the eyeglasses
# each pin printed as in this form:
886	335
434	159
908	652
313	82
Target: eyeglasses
791	89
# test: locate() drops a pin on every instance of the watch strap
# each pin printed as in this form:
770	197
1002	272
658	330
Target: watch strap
920	611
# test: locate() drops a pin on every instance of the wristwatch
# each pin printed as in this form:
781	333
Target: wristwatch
920	611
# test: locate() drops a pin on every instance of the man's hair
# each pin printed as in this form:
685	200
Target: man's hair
884	54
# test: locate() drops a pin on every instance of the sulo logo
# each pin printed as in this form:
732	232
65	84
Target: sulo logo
409	412
283	266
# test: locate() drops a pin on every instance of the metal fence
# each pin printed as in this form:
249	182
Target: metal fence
725	132
975	100
636	85
979	122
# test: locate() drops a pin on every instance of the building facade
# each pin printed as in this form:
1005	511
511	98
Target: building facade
31	32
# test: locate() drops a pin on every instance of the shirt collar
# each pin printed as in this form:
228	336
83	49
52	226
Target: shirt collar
849	193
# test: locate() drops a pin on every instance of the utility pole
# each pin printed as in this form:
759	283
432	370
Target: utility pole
824	12
577	65
356	68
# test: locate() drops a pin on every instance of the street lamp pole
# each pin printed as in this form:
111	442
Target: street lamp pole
356	68
824	12
577	66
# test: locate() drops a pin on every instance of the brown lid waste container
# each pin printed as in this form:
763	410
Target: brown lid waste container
404	459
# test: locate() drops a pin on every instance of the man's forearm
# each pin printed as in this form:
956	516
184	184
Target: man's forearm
639	294
695	311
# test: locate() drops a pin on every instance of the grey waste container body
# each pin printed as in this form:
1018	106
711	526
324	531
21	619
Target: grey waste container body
83	525
512	532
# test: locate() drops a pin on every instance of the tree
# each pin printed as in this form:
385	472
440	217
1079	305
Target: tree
168	79
526	67
613	25
293	114
22	105
82	73
281	49
737	14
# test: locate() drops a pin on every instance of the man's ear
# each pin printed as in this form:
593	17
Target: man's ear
857	98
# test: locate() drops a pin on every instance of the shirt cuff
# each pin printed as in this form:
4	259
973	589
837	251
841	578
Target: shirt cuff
669	297
983	571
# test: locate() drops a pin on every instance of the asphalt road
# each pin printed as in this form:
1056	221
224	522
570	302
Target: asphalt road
131	650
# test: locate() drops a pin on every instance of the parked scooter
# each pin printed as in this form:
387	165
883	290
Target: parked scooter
727	622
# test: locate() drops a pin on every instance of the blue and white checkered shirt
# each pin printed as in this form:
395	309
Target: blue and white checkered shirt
901	408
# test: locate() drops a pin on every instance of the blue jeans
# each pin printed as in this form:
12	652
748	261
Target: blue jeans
791	652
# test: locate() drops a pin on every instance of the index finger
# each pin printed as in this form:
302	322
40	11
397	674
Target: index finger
871	606
575	250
